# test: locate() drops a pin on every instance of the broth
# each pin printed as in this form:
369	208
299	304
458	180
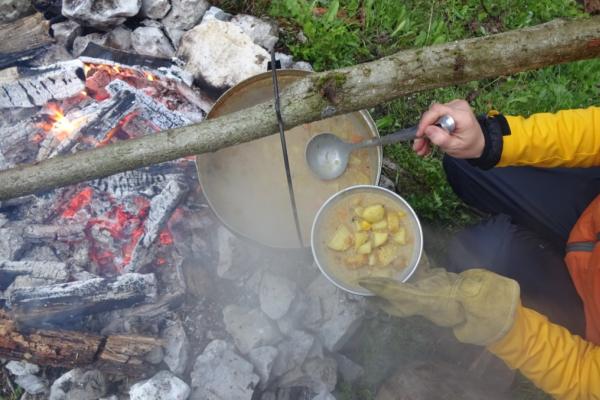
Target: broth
343	212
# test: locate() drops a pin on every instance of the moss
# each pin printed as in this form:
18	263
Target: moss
330	84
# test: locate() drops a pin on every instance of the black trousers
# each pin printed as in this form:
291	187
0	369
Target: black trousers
533	211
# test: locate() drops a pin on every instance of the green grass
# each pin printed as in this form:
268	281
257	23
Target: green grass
342	33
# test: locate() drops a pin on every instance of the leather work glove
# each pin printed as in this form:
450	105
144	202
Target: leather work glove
477	304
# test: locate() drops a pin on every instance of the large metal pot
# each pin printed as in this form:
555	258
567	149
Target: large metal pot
246	185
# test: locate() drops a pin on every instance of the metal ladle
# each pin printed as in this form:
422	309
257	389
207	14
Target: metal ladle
327	155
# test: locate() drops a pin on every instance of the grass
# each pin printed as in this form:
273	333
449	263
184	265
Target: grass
338	33
334	33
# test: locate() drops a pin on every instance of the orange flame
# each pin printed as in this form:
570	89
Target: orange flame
58	125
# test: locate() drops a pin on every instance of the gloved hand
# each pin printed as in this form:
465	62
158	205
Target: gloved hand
477	304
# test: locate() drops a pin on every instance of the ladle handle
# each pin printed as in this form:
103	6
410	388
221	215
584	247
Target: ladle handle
445	122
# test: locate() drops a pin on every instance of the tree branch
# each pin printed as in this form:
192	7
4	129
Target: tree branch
323	95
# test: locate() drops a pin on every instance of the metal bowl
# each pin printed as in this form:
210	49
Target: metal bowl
319	247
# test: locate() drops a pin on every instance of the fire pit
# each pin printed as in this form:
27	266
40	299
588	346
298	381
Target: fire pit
129	284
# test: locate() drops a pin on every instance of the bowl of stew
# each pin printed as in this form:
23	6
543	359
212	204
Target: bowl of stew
366	231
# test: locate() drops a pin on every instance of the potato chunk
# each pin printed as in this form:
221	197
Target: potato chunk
386	254
393	222
400	236
341	240
374	213
360	238
366	248
379	238
379	226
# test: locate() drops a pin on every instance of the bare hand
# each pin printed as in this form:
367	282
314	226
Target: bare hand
466	141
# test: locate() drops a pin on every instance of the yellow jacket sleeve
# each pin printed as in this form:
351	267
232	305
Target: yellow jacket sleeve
563	365
569	138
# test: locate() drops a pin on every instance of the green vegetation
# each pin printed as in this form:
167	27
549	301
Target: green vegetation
337	33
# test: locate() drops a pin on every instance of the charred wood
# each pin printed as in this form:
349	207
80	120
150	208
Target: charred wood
59	348
65	302
28	87
25	33
54	271
43	233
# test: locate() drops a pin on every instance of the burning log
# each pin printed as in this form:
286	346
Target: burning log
161	208
324	95
24	33
123	353
28	87
43	233
69	301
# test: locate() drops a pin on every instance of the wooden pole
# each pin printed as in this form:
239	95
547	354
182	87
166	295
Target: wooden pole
325	94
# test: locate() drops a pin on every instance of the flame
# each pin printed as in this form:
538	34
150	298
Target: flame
149	76
59	126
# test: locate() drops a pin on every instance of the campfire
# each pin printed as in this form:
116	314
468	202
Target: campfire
129	284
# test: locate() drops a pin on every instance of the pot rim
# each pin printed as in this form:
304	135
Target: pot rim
327	204
231	92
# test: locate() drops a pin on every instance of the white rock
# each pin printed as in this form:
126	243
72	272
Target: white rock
151	23
175	35
348	369
263	33
262	358
249	328
320	375
276	295
162	386
119	38
79	384
221	54
292	352
152	42
221	374
32	384
66	32
156	9
19	368
324	395
217	13
285	60
177	347
155	356
11	10
303	65
342	313
100	13
81	42
185	14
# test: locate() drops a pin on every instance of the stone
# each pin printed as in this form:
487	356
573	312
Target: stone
292	352
276	295
221	54
151	41
155	9
324	395
151	23
177	347
162	386
32	384
303	65
81	42
217	13
342	313
348	369
249	328
221	374
66	32
79	384
262	358
285	60
19	368
11	10
317	374
263	33
175	36
155	356
185	14
100	13
386	183
12	245
119	38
